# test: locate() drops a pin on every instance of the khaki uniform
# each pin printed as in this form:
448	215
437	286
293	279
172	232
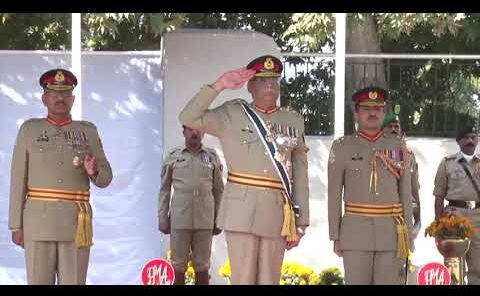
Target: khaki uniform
415	190
369	242
252	216
452	183
47	192
198	187
415	182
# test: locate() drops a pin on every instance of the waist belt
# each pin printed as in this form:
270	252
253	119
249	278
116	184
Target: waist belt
57	194
255	181
395	210
84	234
392	210
464	204
288	228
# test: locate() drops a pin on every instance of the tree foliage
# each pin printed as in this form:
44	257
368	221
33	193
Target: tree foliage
435	95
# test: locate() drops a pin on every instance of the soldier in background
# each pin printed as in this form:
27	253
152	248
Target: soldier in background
369	172
265	209
457	181
391	124
54	161
195	173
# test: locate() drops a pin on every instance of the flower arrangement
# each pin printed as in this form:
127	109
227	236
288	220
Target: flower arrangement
450	226
294	273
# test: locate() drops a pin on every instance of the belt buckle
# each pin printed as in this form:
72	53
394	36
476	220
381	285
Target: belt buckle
470	204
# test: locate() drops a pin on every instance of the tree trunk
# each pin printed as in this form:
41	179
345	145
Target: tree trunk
361	38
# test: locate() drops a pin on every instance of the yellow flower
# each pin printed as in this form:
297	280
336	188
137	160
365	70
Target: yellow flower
308	271
282	282
314	279
303	282
225	271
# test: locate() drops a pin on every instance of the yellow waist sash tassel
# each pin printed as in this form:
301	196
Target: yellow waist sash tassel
289	230
84	234
403	245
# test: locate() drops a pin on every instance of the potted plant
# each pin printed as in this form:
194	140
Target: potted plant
452	235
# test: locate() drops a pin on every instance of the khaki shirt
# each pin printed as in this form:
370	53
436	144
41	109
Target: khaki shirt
451	181
43	158
246	208
349	173
198	187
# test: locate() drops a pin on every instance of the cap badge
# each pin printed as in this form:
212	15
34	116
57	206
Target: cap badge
373	95
59	77
268	64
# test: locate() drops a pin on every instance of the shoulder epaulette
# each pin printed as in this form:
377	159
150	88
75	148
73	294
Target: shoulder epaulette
237	101
452	156
173	151
171	154
87	123
31	120
211	151
339	140
292	111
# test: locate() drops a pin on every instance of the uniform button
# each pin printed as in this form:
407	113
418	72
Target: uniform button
377	193
59	163
41	149
60	181
266	153
265	171
244	142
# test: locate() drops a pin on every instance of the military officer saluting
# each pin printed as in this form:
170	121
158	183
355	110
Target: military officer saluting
369	173
457	181
195	174
54	161
265	207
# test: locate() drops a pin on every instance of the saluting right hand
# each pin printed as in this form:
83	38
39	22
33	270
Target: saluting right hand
17	237
233	79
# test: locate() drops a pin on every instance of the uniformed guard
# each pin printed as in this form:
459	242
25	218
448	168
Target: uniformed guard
369	172
265	208
54	161
391	124
195	174
457	181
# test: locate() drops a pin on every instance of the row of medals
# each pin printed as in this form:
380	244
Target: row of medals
285	138
77	141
